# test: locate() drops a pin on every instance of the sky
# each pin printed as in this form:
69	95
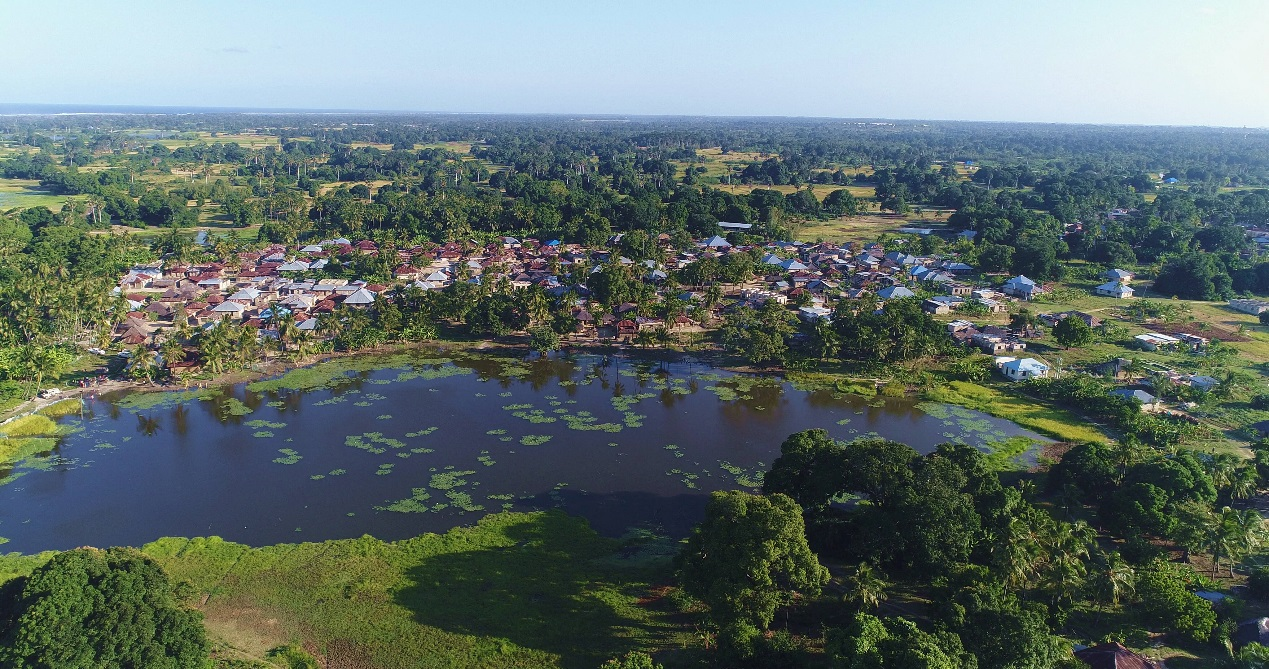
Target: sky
1201	62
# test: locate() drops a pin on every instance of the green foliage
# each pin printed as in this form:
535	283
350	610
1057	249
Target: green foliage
871	643
632	660
89	608
748	557
1073	332
1165	602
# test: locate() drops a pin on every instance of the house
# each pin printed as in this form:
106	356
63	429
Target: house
1149	403
734	226
1118	275
1022	288
360	298
717	242
1153	341
1203	383
1114	656
894	293
1023	369
1253	307
812	314
1114	289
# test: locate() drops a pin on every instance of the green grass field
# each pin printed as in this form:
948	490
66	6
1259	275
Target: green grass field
26	193
515	590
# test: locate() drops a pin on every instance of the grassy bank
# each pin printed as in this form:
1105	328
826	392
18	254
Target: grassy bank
1049	421
516	590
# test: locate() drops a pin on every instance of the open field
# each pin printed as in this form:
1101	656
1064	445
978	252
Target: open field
26	193
462	148
515	590
248	140
863	228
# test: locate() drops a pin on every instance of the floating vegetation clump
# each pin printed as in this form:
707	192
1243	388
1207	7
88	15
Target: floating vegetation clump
373	442
450	479
462	500
143	401
536	416
485	459
516	407
422	433
260	424
504	394
724	393
338	399
624	403
535	439
317	477
633	420
289	457
385	469
337	472
687	478
496	432
362	403
375	397
412	504
235	407
419	451
744	478
844	421
262	434
384	416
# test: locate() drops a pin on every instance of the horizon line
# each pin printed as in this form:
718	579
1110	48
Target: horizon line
94	109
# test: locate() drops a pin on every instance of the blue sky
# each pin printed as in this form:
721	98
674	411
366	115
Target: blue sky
1200	62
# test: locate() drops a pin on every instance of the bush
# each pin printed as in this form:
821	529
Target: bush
1258	583
1261	401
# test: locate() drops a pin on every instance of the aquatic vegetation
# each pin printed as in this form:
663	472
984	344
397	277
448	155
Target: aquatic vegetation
362	403
385	469
337	472
1050	421
534	439
462	501
844	421
485	459
536	416
262	434
412	504
155	400
31	425
496	432
289	457
421	433
235	407
449	480
66	407
744	478
517	407
373	442
317	477
419	451
624	403
384	416
258	424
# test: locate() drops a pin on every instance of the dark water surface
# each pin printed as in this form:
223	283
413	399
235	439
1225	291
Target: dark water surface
425	443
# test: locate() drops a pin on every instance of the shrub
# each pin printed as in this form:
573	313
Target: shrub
1258	583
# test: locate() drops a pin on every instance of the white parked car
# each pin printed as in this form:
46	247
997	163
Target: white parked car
50	392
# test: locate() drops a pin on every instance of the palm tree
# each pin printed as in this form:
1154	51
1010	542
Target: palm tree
304	347
1234	533
172	351
1112	578
287	329
142	362
866	587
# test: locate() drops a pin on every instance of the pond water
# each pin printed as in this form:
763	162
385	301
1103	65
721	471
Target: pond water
399	445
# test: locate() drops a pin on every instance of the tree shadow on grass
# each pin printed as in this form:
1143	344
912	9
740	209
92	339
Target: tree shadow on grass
545	588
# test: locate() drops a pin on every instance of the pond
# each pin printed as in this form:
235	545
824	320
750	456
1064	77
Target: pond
398	445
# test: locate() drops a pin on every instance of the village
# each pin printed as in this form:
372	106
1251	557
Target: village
259	288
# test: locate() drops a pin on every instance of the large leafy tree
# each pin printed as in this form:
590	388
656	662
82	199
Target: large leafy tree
746	559
95	609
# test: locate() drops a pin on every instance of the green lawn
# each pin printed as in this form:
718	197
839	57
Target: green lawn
26	193
515	590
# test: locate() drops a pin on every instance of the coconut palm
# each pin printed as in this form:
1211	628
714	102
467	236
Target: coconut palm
1233	534
1111	578
142	362
866	587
